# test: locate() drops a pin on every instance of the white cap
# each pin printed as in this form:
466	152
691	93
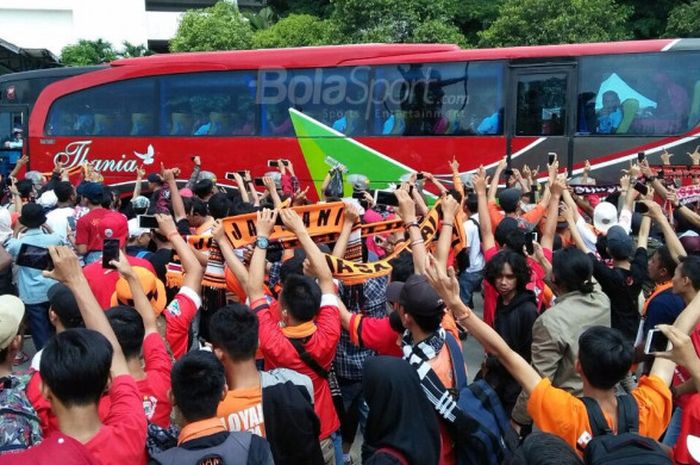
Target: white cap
11	314
48	199
604	216
693	443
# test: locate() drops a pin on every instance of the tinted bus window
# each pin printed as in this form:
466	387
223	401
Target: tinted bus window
541	104
337	97
640	94
438	99
208	104
124	108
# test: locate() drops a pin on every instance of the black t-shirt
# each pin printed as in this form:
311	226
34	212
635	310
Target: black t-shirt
623	288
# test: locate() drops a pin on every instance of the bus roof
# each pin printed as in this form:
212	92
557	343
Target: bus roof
49	73
345	55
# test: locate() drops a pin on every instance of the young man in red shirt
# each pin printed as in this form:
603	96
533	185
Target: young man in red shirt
309	319
136	330
76	366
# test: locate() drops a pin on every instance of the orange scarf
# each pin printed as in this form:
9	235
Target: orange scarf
657	290
299	331
200	429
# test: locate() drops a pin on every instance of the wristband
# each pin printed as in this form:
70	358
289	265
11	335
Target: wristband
412	224
419	241
172	233
448	224
257	302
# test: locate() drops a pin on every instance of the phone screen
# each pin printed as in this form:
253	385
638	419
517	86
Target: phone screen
530	239
259	182
656	342
419	176
148	222
273	163
385	198
552	157
640	208
34	257
641	188
229	175
71	222
110	251
641	156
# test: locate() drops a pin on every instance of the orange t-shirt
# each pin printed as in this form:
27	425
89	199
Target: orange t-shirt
442	366
242	410
547	403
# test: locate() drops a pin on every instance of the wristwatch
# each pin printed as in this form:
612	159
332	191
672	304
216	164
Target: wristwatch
261	242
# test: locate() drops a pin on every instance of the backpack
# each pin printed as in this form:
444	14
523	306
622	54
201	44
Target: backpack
20	427
488	438
627	447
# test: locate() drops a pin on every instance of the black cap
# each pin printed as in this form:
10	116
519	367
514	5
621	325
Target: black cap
64	305
416	296
508	199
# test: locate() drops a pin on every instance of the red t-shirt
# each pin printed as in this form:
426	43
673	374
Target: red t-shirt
154	389
535	285
49	421
103	281
122	438
87	229
279	352
681	375
178	316
375	334
690	424
56	448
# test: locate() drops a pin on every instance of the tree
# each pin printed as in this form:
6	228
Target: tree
476	15
88	52
684	20
132	51
320	8
296	31
539	22
219	27
397	20
648	20
263	19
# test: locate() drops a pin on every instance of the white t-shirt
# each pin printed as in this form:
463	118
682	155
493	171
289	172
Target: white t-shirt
476	257
57	219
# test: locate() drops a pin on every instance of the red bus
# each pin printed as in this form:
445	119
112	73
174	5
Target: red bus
419	105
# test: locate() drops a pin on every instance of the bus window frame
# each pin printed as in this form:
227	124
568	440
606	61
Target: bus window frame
515	70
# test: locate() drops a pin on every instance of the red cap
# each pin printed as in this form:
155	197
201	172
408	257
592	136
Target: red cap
114	226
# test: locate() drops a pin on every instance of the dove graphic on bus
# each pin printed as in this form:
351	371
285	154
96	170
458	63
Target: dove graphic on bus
146	157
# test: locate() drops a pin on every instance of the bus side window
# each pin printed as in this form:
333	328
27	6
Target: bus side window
541	104
434	99
643	94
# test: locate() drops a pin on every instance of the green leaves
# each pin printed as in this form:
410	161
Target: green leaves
220	27
537	22
684	20
93	52
296	31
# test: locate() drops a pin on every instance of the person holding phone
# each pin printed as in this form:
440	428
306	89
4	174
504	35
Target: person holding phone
32	285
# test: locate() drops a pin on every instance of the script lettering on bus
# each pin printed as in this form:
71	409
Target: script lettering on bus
78	153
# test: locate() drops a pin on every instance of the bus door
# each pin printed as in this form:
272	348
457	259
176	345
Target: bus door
13	133
539	115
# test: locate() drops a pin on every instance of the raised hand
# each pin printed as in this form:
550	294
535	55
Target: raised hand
695	156
265	222
666	157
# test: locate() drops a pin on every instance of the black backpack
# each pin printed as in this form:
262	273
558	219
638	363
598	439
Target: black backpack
627	447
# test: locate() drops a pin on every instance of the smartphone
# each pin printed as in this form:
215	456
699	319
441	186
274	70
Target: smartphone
35	257
507	173
641	188
242	173
230	176
358	195
385	198
641	156
148	222
273	163
419	176
530	239
640	208
259	182
551	157
110	251
71	222
656	342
